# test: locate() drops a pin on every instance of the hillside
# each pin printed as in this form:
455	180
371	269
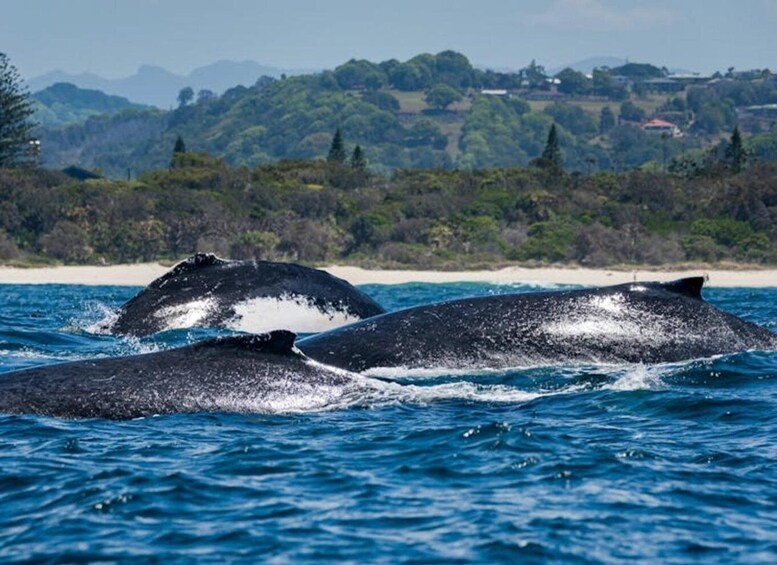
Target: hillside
434	111
63	104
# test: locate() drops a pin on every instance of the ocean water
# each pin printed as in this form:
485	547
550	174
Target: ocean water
568	463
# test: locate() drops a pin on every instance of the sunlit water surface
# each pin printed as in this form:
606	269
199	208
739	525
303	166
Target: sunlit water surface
672	463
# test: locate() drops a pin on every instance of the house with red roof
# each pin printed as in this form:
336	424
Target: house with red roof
662	127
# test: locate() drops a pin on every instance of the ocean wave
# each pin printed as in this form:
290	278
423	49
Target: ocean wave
544	462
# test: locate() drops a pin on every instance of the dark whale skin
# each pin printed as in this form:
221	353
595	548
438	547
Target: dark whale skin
232	374
227	283
635	323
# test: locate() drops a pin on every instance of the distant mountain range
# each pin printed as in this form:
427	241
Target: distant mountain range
159	87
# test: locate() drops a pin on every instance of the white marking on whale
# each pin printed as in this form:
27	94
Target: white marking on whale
186	315
265	314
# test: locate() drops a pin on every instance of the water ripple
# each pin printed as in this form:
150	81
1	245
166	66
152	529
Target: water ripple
578	463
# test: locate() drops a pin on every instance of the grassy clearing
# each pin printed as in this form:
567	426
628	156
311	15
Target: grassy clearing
410	102
538	105
595	108
413	102
649	103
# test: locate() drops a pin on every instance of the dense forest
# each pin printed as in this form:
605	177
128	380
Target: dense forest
317	211
434	111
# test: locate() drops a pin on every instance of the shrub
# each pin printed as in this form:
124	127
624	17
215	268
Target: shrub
254	245
8	248
548	241
67	242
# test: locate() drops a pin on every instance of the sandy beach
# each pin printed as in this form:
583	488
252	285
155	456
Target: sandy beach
143	273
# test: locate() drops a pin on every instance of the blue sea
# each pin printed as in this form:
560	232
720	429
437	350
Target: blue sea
570	463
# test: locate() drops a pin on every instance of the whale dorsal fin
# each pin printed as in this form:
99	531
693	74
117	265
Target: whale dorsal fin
193	263
279	342
690	286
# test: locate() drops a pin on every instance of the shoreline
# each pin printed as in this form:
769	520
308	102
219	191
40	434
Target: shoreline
141	274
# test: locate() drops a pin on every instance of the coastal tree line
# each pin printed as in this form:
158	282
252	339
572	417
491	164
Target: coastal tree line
328	211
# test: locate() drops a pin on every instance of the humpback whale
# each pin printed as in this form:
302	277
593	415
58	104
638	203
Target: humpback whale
647	322
250	296
246	373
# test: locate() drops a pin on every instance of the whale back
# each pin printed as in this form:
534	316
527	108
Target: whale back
193	264
277	342
245	373
647	322
689	286
250	296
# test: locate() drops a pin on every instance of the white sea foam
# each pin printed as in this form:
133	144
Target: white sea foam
26	353
639	377
295	313
506	364
425	373
98	319
135	346
376	393
466	391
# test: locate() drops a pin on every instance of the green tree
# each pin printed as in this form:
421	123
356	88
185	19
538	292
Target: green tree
535	75
736	154
180	146
358	160
206	95
178	149
382	100
16	110
572	118
454	69
712	112
337	149
185	95
254	244
360	75
631	112
552	152
442	95
639	71
412	75
606	120
425	132
601	82
573	82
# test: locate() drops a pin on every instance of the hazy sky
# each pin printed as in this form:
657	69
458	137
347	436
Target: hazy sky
114	37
